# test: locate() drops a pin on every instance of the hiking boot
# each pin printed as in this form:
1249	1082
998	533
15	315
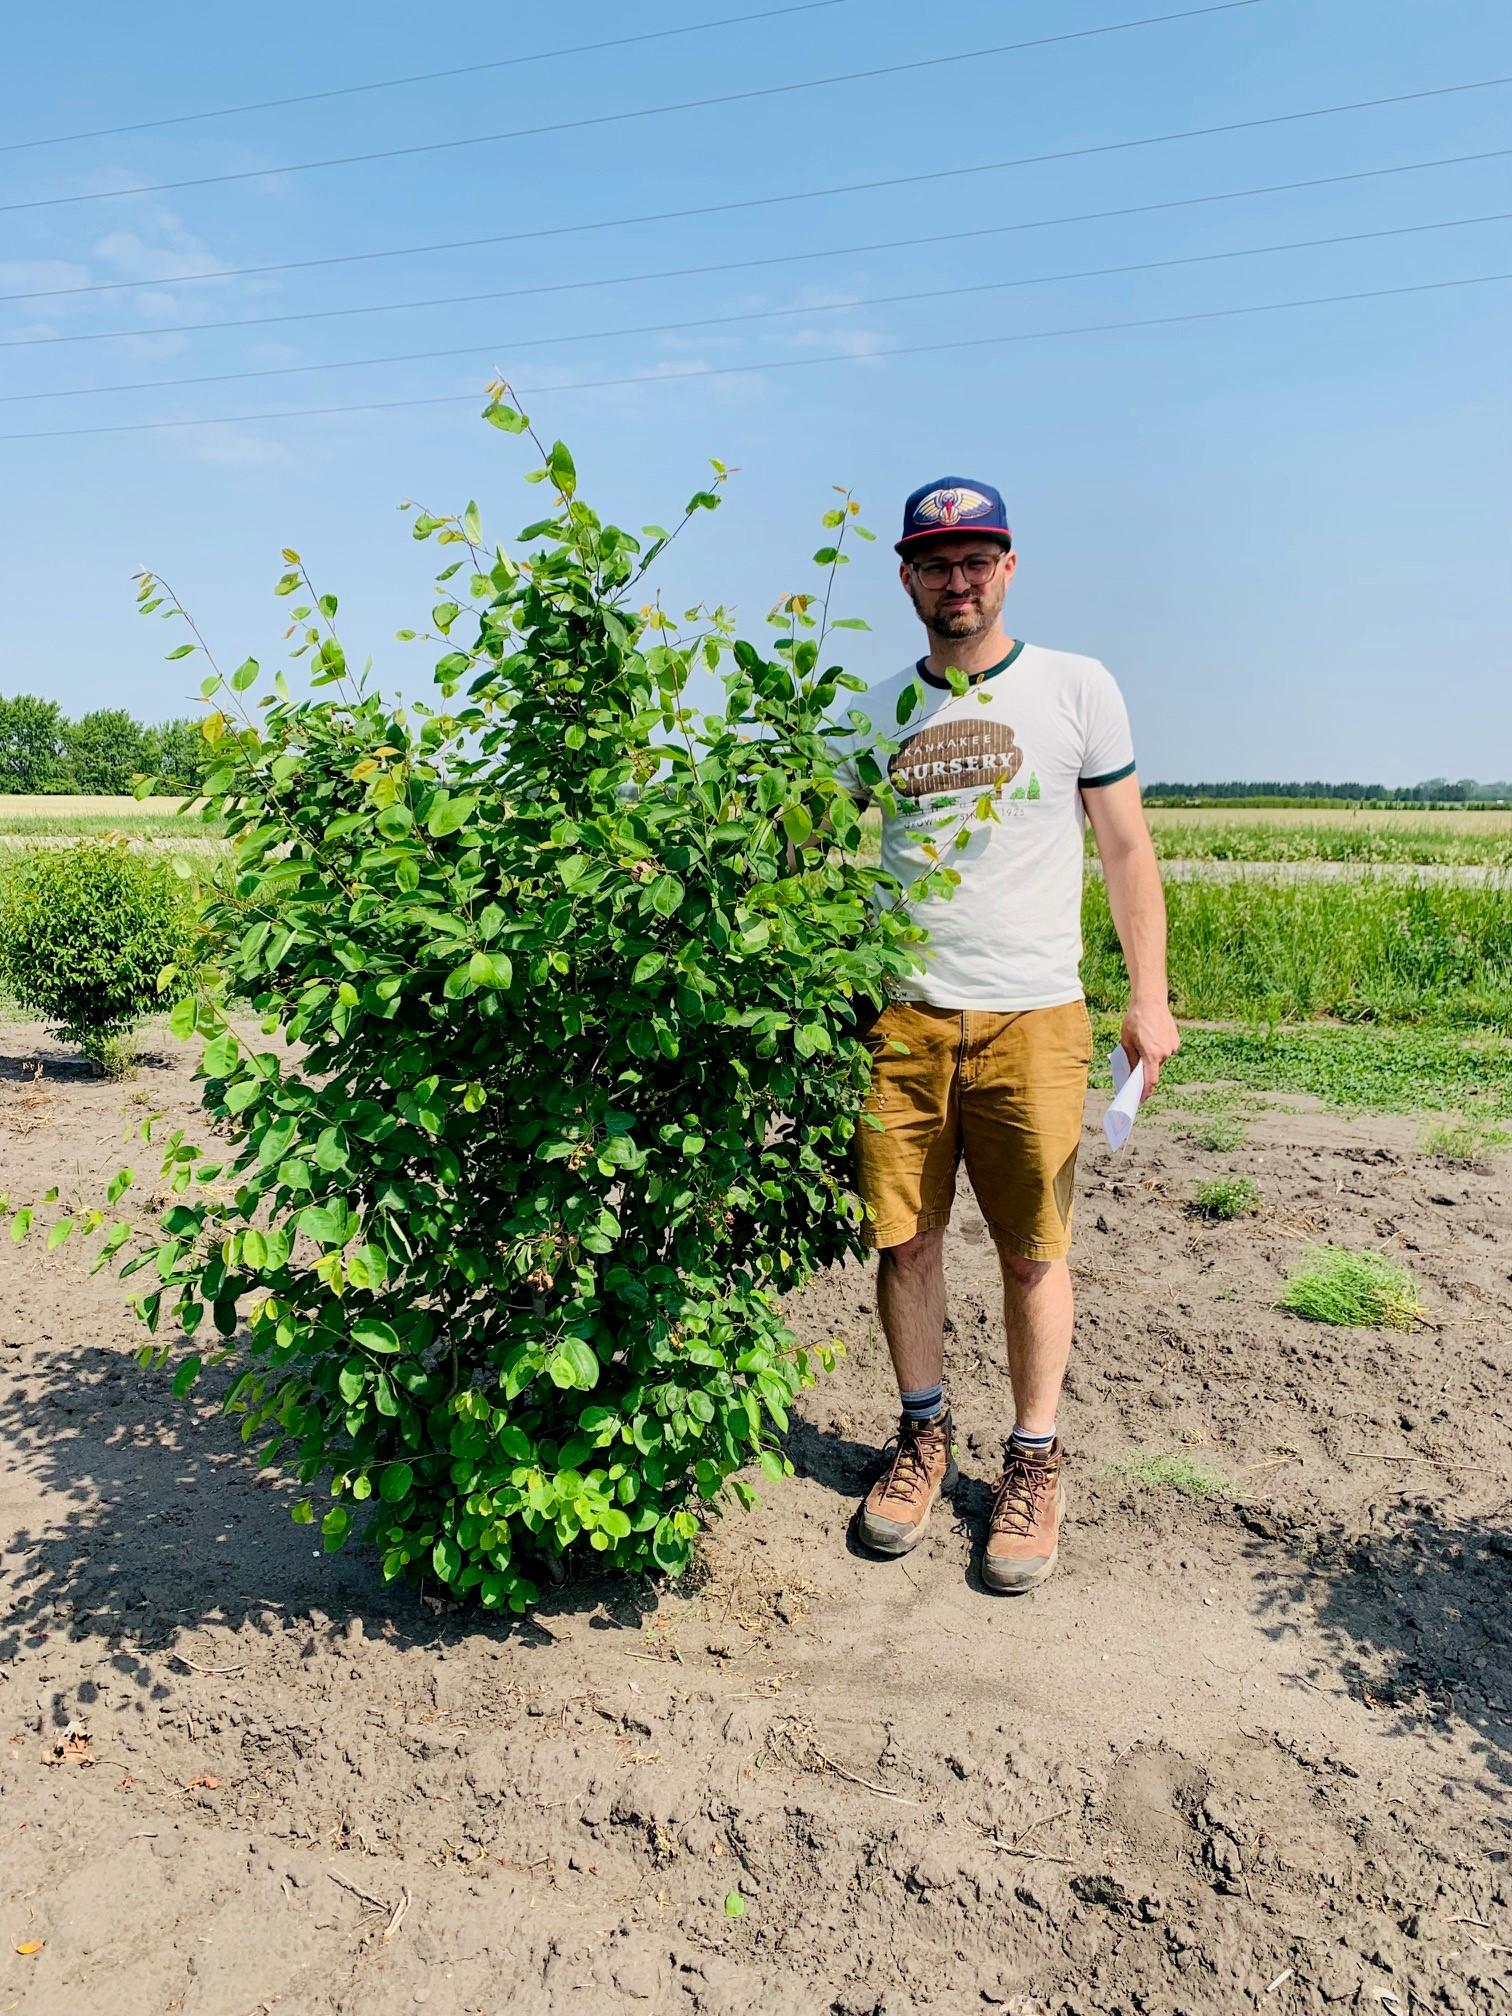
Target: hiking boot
1023	1533
896	1510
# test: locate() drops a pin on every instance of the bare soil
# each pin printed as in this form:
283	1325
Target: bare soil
1251	1751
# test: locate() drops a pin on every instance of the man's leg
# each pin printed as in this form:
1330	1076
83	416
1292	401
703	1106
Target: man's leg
911	1303
1022	1120
1038	1315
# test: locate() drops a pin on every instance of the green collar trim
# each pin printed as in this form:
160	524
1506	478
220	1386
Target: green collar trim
977	678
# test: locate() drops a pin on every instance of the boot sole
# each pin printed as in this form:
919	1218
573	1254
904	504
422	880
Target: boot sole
891	1545
1020	1584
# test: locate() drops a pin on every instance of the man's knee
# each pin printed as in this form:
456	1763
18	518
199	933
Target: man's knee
1024	1273
916	1257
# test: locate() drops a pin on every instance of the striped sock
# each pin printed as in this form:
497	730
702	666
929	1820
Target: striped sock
1033	1445
927	1404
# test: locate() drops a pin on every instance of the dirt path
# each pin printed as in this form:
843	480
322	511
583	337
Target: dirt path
1247	1752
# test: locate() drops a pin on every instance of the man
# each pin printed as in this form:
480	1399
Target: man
984	1054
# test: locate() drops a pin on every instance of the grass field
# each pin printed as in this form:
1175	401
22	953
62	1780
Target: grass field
79	818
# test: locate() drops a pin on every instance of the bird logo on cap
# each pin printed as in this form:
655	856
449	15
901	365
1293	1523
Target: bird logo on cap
949	507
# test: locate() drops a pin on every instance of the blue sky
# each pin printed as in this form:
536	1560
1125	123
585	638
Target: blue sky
1286	533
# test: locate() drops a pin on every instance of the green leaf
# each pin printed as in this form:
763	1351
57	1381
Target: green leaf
646	965
446	1558
505	417
734	1904
797	824
245	675
395	1484
375	1335
180	651
58	1231
21	1224
472	525
449	815
561	468
489	969
186	1375
335	1527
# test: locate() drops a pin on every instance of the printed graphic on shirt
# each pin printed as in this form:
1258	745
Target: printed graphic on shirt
961	755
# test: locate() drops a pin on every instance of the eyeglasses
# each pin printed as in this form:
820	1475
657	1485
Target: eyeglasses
977	567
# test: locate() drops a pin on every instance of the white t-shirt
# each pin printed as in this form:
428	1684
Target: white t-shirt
1030	735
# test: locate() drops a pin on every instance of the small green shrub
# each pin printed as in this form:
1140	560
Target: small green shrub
1362	1289
1463	1140
1173	1472
85	933
1225	1197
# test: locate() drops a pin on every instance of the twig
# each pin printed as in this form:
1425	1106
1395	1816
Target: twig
1444	1462
1462	1919
214	1672
396	1917
367	1897
865	1783
1280	1978
1030	1854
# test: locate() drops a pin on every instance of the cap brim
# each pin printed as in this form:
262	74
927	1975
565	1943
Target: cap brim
911	540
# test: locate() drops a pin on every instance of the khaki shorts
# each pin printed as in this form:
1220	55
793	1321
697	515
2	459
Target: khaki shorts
1005	1091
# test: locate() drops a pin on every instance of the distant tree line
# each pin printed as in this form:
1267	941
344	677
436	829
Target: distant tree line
42	751
1433	791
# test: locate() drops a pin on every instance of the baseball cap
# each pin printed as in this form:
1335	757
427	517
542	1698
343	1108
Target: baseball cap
954	504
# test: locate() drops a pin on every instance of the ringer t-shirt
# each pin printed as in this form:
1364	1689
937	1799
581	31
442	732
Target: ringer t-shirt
1029	736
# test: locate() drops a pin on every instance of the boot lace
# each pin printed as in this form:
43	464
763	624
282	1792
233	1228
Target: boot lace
911	1459
1016	1508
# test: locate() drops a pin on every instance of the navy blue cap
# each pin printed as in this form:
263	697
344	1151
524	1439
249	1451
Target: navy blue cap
954	504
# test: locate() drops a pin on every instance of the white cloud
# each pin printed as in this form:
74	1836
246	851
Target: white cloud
230	447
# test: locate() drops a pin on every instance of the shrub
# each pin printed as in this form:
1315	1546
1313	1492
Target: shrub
1225	1197
573	1070
85	933
1366	1289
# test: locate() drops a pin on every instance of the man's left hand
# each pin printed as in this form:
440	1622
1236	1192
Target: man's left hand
1149	1036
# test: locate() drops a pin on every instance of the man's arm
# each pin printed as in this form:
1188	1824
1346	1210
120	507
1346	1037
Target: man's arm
1138	906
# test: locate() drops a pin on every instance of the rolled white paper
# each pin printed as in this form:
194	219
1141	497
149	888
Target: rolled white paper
1128	1089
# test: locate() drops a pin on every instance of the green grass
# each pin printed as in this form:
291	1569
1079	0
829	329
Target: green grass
1168	1471
1383	1071
1365	1290
1366	950
1463	1140
1225	1197
96	825
1415	844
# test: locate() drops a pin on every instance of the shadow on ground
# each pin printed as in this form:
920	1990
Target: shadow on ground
159	1521
1416	1614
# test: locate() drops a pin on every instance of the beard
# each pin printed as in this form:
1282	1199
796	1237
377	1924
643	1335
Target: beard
969	619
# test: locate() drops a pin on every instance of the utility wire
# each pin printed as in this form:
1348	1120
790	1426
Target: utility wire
640	112
777	364
837	189
756	315
420	77
735	265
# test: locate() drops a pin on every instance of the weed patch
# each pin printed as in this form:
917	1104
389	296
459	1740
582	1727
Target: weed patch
1168	1471
1225	1197
1363	1290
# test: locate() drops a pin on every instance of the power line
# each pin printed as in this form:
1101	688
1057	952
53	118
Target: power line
777	364
834	189
641	112
734	265
419	77
758	314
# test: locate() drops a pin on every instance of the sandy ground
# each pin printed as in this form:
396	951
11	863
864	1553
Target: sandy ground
1247	1752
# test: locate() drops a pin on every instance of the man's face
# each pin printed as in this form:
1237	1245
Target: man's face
957	585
